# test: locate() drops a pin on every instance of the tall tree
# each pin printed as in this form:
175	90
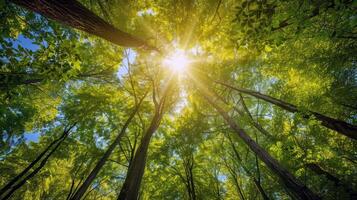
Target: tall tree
342	127
297	188
246	170
21	179
301	52
83	188
74	14
131	186
189	163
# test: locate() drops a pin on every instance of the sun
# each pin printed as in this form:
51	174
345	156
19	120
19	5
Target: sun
177	61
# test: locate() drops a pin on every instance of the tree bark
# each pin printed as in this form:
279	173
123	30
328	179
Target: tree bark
13	181
131	186
188	166
135	172
13	187
298	189
74	14
236	183
320	171
246	170
342	127
239	189
83	188
251	121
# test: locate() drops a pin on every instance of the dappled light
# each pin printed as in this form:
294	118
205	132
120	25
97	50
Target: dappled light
234	99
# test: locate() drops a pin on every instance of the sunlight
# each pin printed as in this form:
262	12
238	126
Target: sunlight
177	62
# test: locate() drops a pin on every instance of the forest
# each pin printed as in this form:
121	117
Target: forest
178	99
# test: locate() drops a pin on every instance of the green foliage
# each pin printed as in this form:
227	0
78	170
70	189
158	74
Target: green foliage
301	52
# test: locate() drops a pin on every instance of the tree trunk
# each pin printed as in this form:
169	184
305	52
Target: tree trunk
8	80
297	188
260	189
236	183
239	189
342	127
83	188
188	166
254	123
74	14
13	188
131	186
12	182
135	172
320	171
247	171
251	121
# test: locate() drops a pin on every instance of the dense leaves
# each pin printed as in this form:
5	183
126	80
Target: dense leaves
299	52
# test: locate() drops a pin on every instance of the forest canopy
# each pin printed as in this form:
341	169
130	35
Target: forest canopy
178	99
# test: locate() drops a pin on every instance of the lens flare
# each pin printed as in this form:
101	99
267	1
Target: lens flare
177	61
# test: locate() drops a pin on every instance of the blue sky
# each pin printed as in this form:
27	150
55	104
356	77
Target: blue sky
31	137
25	43
28	44
123	68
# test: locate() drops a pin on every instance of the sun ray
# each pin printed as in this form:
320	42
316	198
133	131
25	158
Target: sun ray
177	61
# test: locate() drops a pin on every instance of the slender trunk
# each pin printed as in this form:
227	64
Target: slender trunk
239	189
251	121
256	182
342	127
320	171
83	188
33	163
254	123
74	14
188	184
135	172
37	169
72	189
15	80
235	179
76	188
234	175
299	190
260	189
30	81
188	166
131	186
192	185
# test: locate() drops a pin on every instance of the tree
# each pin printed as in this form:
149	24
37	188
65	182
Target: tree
82	189
21	179
297	54
77	16
246	170
295	186
342	127
136	169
